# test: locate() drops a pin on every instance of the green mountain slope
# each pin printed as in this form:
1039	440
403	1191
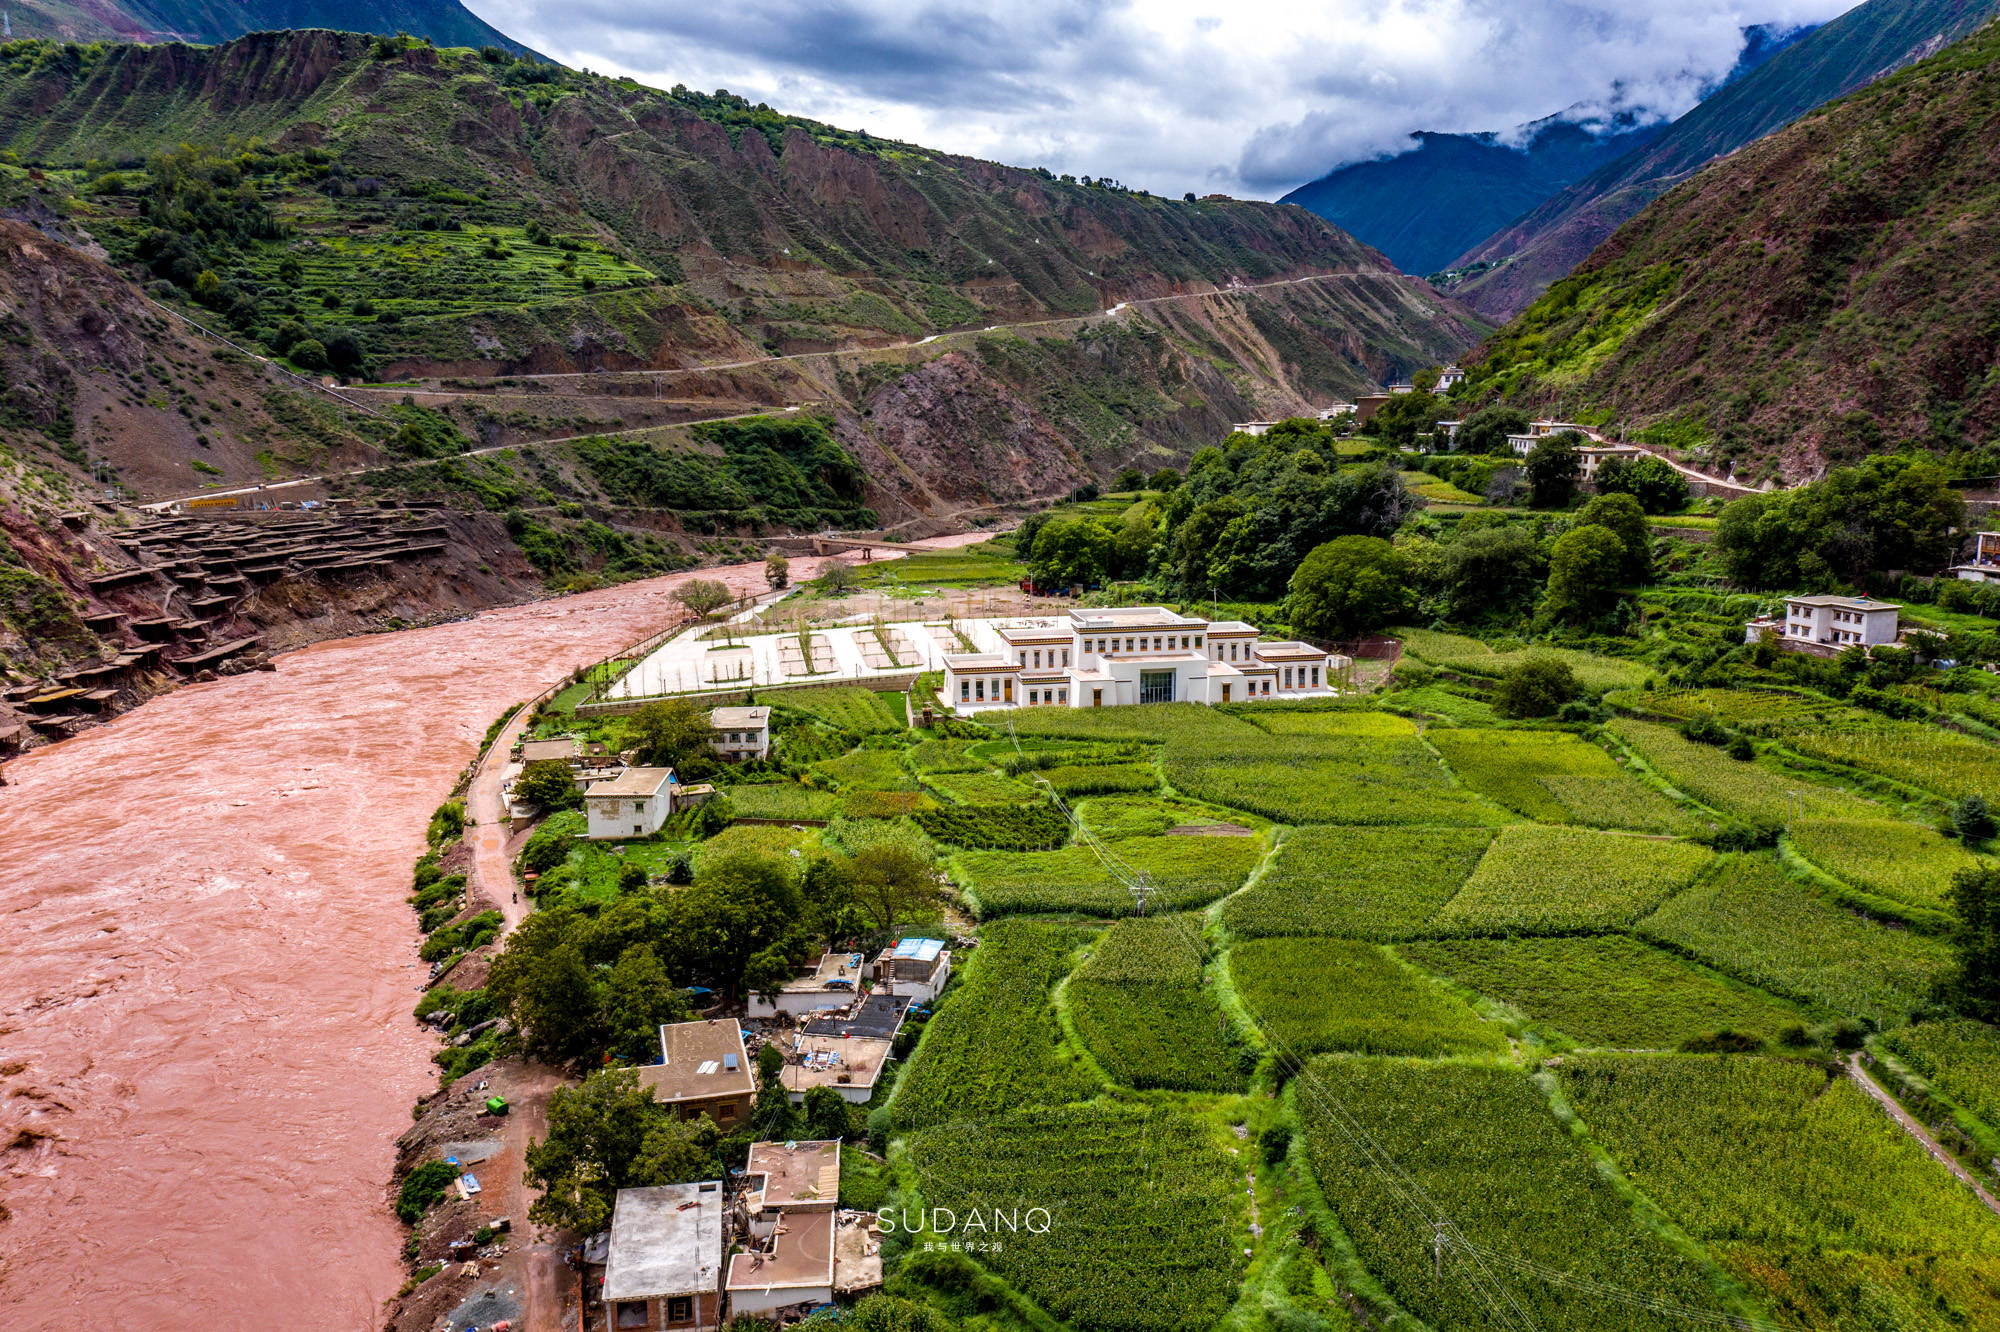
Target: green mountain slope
1863	44
444	22
1827	291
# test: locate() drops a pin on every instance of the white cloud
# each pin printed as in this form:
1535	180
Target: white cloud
1250	97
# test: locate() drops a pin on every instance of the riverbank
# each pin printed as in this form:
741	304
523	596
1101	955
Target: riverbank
210	1051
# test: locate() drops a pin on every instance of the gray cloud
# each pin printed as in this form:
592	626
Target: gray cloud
1250	97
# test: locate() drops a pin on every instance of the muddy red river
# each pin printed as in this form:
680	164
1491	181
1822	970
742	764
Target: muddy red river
207	971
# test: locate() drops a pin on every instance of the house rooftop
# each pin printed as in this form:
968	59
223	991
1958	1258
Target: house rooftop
739	719
1844	603
633	782
832	967
1230	628
540	751
878	1017
801	1256
665	1241
1035	631
1289	649
975	661
1130	617
835	1061
794	1173
702	1060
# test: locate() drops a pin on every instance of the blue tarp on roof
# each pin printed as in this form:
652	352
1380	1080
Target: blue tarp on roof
921	950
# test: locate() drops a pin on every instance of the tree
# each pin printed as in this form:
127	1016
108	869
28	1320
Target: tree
1492	568
308	354
1165	481
548	783
1973	820
1553	466
638	1001
893	883
826	1115
1649	480
1133	543
1129	478
1584	570
739	904
541	981
777	570
768	972
1486	430
607	1134
1348	586
1973	987
1893	512
1072	551
1621	516
673	733
837	577
1405	416
1537	687
703	596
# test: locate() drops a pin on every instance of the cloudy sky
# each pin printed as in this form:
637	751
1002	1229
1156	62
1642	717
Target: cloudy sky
1244	97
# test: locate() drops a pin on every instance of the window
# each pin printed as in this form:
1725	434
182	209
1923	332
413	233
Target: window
1062	697
680	1309
1288	677
981	688
1197	640
965	691
1038	659
632	1313
1315	683
1156	686
1065	656
1128	645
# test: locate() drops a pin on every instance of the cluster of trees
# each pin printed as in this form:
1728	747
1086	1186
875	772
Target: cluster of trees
1578	567
583	981
1084	551
1891	512
1250	511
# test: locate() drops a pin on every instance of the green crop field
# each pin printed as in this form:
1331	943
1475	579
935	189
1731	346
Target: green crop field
1607	991
1903	861
1440	649
1140	1006
983	788
1558	880
1359	723
1757	923
781	800
1088	779
851	708
1768	1157
1473	1138
1143	1212
1371	883
1948	765
1319	779
868	770
1184	871
996	827
930	756
1555	777
1113	817
763	840
993	1048
1319	995
1743	789
1960	1058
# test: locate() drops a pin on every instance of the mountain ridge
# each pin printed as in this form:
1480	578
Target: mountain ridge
1821	294
208	22
1516	263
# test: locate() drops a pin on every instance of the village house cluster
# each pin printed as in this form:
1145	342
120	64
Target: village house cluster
1105	657
622	801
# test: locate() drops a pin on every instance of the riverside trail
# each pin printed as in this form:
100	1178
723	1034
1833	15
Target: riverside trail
206	1041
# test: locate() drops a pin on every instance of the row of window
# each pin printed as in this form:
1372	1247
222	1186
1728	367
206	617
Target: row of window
1038	658
974	691
1059	697
1302	677
1161	643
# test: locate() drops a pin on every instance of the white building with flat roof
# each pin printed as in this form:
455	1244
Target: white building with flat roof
1106	657
664	1268
1825	625
741	733
633	804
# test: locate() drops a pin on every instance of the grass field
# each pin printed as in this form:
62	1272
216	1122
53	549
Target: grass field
1308	778
1143	1212
1184	871
1607	991
1757	923
1370	883
866	769
1718	1140
1316	996
1140	1006
992	1048
1113	817
1473	1138
983	788
1558	880
762	839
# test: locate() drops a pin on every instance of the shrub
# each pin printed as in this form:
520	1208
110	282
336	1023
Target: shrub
423	1188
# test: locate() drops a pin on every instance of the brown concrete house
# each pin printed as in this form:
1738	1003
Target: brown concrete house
704	1071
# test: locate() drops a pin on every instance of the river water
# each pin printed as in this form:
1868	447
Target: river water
207	970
